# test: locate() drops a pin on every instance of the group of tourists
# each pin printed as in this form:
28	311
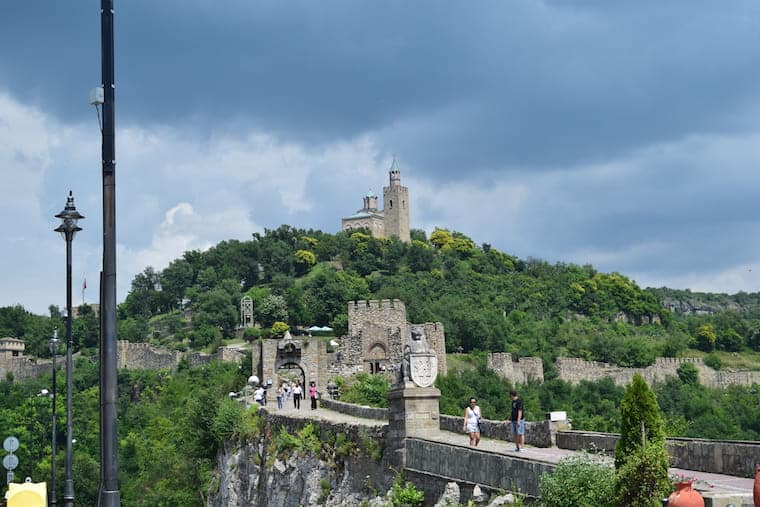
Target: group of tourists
516	421
285	391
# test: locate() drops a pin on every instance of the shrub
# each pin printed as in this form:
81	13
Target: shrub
578	481
405	494
279	328
688	374
643	480
713	361
367	389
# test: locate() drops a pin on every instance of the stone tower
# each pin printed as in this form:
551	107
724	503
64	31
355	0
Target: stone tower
396	206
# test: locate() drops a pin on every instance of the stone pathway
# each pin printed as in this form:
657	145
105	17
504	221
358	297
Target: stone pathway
737	485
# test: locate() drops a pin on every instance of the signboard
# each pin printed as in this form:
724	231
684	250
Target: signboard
10	444
10	461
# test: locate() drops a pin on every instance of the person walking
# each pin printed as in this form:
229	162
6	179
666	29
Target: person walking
517	421
313	395
258	396
280	396
471	423
297	391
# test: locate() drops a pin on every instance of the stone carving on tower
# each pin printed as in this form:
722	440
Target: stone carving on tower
420	364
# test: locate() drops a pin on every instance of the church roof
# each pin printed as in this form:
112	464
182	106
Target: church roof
364	214
394	165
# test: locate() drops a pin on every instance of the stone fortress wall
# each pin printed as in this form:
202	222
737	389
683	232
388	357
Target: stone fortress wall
520	371
23	367
354	355
130	356
574	370
380	325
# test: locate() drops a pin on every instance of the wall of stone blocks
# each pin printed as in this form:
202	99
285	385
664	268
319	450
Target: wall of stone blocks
380	414
574	370
390	312
384	322
473	466
437	341
520	371
729	457
22	367
142	356
312	359
537	433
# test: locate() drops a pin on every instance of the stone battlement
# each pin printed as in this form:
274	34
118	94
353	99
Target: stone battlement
360	304
520	371
574	370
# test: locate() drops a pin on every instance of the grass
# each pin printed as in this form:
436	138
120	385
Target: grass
460	362
745	360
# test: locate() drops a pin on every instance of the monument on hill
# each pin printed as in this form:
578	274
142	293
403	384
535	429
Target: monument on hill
393	219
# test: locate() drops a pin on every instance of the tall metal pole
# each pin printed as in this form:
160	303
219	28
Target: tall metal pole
68	228
109	466
54	439
68	485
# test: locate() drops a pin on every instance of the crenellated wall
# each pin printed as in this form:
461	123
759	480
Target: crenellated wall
22	367
377	331
143	356
520	371
574	370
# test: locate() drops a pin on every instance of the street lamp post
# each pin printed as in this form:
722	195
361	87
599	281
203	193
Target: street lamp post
54	342
68	229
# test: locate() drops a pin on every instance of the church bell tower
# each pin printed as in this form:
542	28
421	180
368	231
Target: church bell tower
396	206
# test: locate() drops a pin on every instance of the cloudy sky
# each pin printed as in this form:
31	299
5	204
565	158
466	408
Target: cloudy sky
621	134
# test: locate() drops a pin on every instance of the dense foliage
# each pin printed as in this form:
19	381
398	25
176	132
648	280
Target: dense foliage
170	428
578	481
488	300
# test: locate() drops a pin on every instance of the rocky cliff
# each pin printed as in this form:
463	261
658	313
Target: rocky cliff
293	463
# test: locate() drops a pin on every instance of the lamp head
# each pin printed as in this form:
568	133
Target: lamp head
54	342
69	218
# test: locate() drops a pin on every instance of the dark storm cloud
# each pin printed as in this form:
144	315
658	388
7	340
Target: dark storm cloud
456	88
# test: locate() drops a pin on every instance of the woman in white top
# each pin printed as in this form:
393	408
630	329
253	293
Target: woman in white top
471	422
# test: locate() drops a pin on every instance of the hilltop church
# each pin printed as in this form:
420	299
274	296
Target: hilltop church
393	219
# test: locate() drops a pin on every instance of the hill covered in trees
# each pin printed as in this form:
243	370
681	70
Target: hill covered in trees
488	300
171	425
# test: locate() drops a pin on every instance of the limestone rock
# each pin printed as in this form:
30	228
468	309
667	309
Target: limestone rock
450	495
479	496
507	499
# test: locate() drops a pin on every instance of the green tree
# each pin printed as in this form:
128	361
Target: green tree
271	309
706	337
640	420
279	329
643	480
441	238
688	374
304	261
86	327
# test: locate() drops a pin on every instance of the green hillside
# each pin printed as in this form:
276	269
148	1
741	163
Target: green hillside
488	300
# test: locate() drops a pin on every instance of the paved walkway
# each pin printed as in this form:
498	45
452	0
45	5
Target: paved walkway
727	483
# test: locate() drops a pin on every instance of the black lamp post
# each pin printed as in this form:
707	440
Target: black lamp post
54	343
68	229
